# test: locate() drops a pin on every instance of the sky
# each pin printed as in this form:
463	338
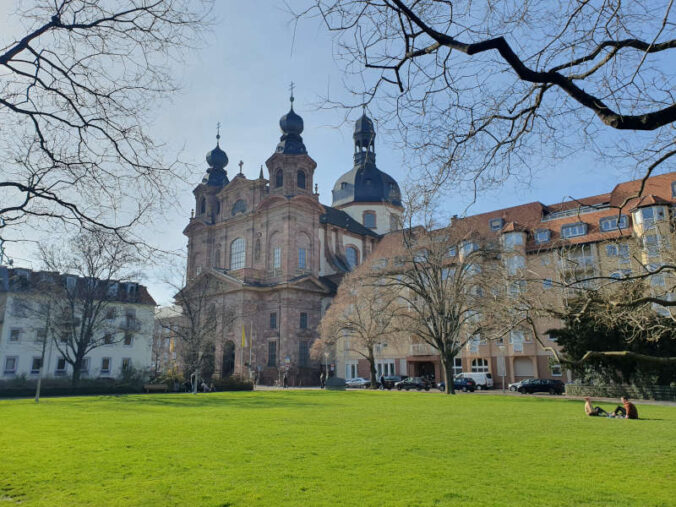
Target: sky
240	78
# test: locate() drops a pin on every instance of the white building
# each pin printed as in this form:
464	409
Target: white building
125	335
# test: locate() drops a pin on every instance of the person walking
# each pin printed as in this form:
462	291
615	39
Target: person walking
382	382
285	381
321	380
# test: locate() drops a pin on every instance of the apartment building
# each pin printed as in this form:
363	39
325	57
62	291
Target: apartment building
124	335
629	230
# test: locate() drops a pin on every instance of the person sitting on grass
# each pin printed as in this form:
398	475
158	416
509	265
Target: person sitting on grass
627	411
593	411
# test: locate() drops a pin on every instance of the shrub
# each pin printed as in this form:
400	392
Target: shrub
233	384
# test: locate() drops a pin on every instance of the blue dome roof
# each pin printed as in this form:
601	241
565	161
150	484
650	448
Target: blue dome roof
217	158
291	143
365	182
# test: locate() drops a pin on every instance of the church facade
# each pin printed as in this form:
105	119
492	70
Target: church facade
274	254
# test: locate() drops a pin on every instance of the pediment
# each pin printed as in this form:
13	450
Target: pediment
309	282
217	281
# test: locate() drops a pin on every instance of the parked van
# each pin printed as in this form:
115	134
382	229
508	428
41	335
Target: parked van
483	380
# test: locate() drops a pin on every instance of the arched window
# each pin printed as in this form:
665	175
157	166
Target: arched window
217	258
352	255
279	178
300	179
480	365
218	208
237	254
203	206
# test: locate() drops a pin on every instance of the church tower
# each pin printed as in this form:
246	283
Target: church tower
290	168
369	195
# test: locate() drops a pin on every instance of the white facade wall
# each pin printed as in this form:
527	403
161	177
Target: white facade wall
382	211
28	346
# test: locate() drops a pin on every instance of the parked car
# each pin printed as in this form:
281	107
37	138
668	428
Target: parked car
390	380
514	386
358	382
413	383
483	380
542	385
460	384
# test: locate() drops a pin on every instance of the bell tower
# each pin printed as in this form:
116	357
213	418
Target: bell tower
290	168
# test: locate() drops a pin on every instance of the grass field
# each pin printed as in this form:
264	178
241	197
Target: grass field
332	448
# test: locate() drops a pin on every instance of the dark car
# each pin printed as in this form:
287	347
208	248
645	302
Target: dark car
460	384
391	380
413	383
542	385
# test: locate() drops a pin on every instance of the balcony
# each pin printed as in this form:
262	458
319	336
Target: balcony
422	349
131	324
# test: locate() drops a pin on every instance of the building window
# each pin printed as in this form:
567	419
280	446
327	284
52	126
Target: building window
239	207
555	369
105	365
370	219
203	206
60	366
513	239
673	189
15	335
279	178
302	258
352	256
542	235
457	366
273	320
473	344
496	224
36	365
614	223
277	257
468	247
84	368
515	263
300	179
111	314
351	369
11	365
651	243
303	353
394	223
574	230
480	365
128	340
107	339
611	250
272	353
516	339
237	254
126	363
303	320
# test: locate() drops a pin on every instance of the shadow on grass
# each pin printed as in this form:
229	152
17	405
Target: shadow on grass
244	400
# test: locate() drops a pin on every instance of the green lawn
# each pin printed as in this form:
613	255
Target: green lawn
332	448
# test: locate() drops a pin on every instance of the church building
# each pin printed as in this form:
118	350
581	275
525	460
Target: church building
275	254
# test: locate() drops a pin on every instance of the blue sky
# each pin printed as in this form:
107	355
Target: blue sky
241	77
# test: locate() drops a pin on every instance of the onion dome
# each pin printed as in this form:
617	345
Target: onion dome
217	159
291	142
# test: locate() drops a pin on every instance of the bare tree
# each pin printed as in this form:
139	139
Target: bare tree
478	89
80	303
76	90
201	326
444	279
365	313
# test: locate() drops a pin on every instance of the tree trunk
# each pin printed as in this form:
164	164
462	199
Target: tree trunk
447	364
372	367
77	370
